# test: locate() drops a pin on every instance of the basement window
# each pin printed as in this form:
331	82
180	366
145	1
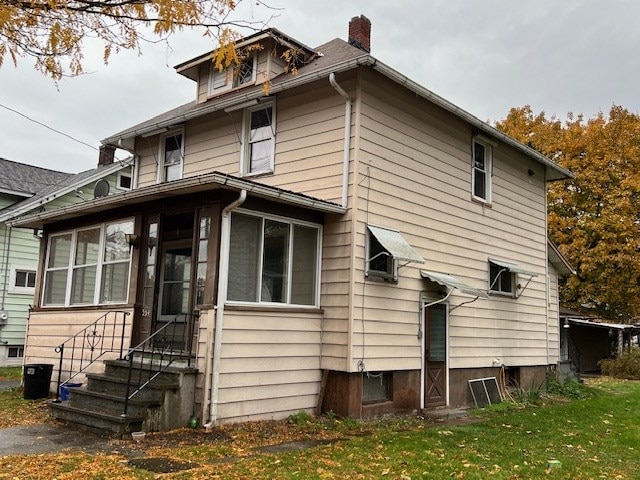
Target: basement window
376	387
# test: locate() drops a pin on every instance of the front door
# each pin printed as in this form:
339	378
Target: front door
435	355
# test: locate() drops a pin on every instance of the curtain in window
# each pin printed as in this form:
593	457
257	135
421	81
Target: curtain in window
244	257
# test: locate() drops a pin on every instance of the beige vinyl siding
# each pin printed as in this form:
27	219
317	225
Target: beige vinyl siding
418	160
553	324
308	151
335	290
48	329
202	88
270	364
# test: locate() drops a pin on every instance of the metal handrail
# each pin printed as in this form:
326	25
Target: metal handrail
167	345
92	343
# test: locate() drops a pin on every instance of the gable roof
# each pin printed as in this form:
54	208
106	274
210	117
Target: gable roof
558	260
335	56
51	192
25	180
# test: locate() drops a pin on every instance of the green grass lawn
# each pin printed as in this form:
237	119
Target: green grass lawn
10	373
594	437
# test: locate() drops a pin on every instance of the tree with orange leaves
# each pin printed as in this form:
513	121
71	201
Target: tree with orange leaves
595	217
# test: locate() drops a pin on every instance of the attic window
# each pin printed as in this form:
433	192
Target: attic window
235	76
384	250
245	72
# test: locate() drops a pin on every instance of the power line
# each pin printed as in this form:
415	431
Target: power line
47	126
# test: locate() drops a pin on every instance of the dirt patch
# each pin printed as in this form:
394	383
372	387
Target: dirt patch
161	465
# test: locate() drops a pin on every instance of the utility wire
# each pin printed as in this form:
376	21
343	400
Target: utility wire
47	126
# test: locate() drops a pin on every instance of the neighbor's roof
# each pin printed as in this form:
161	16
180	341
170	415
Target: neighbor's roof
26	180
335	56
68	184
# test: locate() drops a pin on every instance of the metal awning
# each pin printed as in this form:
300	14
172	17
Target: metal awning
450	281
512	267
394	243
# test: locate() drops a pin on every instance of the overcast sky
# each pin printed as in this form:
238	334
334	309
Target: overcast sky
579	56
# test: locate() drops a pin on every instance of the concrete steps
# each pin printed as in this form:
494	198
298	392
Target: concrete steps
165	403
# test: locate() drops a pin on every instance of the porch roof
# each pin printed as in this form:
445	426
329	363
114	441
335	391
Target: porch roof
214	180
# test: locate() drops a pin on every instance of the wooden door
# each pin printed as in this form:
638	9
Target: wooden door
435	355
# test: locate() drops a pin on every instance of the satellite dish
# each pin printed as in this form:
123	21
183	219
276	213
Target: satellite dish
101	189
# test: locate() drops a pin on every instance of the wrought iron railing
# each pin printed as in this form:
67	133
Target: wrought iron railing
169	344
105	335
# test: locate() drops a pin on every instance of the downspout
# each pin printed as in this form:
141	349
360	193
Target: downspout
223	274
347	137
5	266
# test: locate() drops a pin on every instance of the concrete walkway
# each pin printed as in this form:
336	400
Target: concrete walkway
36	439
8	384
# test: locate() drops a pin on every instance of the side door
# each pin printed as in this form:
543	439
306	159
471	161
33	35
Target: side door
435	355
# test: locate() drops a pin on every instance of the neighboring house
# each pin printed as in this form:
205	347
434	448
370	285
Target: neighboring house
347	242
25	189
18	254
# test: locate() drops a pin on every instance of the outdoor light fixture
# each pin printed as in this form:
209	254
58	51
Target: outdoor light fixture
131	239
566	323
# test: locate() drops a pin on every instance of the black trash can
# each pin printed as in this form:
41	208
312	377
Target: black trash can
37	378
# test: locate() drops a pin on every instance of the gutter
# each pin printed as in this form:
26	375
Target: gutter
223	275
347	137
177	188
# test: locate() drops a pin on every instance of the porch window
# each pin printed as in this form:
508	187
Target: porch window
88	266
273	260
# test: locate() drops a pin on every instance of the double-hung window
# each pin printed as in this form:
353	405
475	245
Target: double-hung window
171	156
88	266
482	169
258	139
273	260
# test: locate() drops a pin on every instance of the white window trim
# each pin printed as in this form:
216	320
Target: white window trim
514	282
229	75
160	174
12	280
120	176
290	221
71	266
488	171
246	131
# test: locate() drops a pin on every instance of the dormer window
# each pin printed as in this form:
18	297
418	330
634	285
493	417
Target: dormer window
171	156
245	72
236	76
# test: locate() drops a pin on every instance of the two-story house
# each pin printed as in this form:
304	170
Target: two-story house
340	239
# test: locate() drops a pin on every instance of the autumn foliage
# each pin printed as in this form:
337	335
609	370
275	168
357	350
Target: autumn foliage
595	217
53	32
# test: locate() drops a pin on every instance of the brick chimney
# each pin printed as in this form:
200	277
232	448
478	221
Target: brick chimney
360	33
106	155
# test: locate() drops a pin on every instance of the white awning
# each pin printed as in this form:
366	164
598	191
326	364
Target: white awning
450	281
395	244
512	267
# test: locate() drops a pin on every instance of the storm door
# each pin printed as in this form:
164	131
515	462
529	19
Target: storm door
435	355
